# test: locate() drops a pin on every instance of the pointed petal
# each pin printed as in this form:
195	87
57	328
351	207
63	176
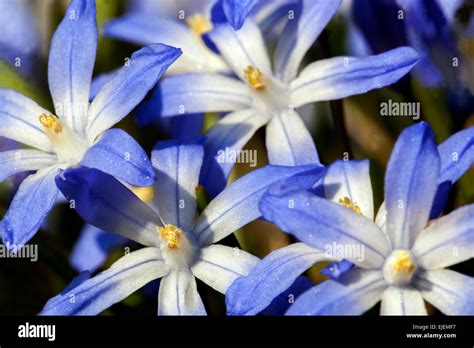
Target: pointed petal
300	33
447	241
30	206
16	161
269	16
402	301
356	292
20	120
340	77
145	29
449	291
227	137
71	61
94	295
411	181
440	199
126	89
289	142
118	154
93	247
327	226
177	165
178	295
242	48
104	202
191	93
457	155
251	294
219	265
237	11
285	300
237	205
350	179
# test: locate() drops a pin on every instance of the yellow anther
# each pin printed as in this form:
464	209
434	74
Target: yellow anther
254	77
172	234
346	201
145	194
404	263
50	122
199	24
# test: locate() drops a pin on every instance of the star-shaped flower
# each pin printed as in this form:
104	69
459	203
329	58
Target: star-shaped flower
178	246
78	130
400	258
260	95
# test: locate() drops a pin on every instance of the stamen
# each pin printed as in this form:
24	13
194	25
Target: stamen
172	234
254	77
199	24
346	201
51	123
404	263
399	267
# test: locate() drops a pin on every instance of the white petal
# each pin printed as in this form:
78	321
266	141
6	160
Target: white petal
289	142
220	265
145	29
300	33
402	301
350	179
242	48
17	161
447	241
20	120
451	292
193	93
178	295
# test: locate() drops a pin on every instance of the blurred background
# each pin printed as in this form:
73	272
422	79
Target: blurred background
442	31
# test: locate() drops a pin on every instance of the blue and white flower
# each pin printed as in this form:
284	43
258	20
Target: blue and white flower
79	130
260	95
178	246
175	23
400	258
186	24
94	246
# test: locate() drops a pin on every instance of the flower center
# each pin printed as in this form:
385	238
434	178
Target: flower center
199	24
67	145
347	202
179	250
399	267
254	77
51	124
171	234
